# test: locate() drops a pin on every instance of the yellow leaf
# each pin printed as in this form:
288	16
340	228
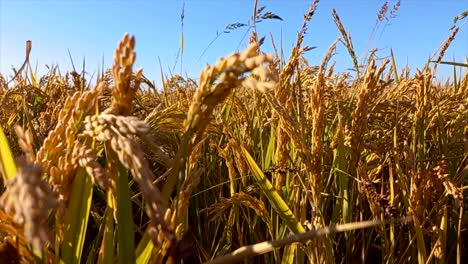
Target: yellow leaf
8	165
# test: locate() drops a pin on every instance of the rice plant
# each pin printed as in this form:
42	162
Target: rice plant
259	160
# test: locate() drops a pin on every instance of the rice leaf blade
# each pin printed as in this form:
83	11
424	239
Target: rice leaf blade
125	225
278	204
76	218
8	164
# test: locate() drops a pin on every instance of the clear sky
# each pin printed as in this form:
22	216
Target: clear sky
91	29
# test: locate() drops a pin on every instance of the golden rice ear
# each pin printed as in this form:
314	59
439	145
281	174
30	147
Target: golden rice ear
256	149
25	142
118	132
126	84
21	201
216	82
55	154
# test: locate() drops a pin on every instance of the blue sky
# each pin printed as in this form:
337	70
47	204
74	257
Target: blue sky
91	30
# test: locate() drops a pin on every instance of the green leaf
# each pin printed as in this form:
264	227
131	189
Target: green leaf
125	225
76	218
33	78
394	67
106	254
270	150
278	204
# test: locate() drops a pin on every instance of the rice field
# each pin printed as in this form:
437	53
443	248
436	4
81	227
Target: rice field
259	160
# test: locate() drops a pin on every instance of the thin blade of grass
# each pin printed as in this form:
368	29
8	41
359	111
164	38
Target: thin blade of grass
454	63
422	253
455	82
459	235
394	68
